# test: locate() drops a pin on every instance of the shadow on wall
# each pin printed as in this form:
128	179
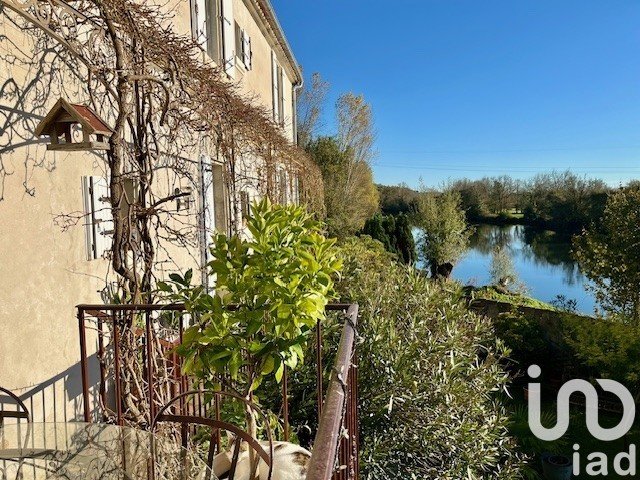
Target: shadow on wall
34	73
59	399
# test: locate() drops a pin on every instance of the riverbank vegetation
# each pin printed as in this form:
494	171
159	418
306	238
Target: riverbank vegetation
433	368
429	377
608	255
519	299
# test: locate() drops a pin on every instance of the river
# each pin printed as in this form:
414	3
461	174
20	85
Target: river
542	260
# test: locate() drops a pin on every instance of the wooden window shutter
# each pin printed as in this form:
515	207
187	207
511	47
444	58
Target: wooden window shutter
281	95
275	84
98	211
228	38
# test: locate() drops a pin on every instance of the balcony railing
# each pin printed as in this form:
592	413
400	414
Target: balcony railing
139	372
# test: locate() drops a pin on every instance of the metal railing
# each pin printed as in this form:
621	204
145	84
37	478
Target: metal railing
148	334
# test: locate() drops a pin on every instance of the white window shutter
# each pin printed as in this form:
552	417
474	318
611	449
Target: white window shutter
281	95
228	37
207	187
199	22
87	197
276	84
103	216
246	50
98	215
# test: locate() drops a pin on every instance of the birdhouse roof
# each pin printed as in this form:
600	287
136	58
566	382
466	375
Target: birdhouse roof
64	111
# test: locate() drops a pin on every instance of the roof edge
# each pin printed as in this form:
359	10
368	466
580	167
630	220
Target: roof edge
270	15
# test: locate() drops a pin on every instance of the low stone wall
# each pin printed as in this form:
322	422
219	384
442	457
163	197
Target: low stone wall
550	320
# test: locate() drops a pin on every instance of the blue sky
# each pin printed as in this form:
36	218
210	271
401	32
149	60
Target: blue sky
468	88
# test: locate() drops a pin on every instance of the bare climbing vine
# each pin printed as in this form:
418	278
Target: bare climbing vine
168	107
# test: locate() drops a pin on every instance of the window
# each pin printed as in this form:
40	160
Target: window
99	222
278	90
228	37
243	47
205	26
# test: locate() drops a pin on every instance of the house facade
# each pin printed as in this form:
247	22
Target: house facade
56	216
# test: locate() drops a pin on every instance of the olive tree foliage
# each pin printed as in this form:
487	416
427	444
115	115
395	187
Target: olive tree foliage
444	233
608	255
430	375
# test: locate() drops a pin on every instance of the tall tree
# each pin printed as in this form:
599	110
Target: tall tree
445	235
350	194
355	127
608	255
309	109
405	244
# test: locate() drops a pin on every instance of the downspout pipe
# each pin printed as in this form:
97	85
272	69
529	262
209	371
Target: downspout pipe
297	87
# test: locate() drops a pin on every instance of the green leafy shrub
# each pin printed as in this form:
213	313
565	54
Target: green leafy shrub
394	232
608	349
280	279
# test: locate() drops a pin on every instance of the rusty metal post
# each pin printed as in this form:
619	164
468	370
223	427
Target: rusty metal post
116	359
355	434
101	360
285	403
83	365
150	382
319	369
328	435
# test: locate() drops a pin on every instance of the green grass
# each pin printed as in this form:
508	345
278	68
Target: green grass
518	299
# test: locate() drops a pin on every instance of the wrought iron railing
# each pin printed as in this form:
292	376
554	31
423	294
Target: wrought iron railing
142	338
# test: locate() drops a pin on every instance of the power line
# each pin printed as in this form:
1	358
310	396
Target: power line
512	150
486	168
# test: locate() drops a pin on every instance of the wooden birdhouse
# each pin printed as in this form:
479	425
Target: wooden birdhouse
66	121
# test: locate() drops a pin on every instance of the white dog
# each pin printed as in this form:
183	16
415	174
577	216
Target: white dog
290	462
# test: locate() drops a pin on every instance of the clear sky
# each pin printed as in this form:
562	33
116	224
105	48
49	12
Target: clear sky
468	88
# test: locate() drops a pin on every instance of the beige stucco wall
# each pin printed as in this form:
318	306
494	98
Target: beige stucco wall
44	271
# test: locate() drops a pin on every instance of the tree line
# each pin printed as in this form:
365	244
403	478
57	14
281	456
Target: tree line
557	200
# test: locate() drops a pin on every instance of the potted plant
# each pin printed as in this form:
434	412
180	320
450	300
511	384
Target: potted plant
556	467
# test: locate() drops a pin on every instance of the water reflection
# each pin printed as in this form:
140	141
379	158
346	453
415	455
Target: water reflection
542	260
